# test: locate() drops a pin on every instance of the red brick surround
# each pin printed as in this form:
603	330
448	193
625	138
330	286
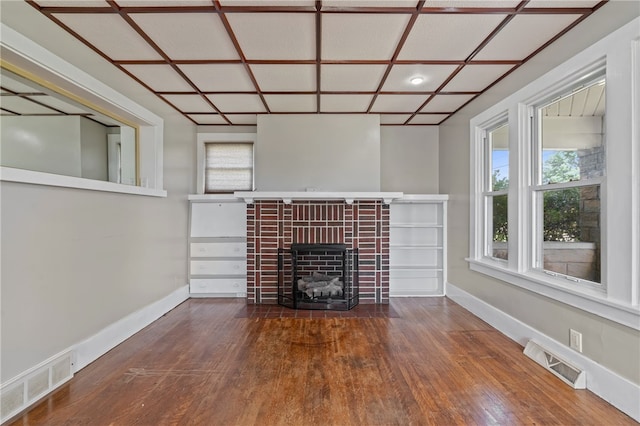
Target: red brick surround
273	224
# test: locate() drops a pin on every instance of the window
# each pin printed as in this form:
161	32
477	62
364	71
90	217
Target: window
228	167
225	162
568	207
569	164
496	183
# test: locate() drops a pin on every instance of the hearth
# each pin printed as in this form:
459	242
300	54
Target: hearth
318	276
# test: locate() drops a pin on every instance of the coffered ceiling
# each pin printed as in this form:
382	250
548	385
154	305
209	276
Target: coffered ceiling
223	62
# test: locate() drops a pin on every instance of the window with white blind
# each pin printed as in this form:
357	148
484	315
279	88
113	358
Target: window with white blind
228	167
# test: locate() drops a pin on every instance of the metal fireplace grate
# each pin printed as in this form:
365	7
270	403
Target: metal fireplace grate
318	276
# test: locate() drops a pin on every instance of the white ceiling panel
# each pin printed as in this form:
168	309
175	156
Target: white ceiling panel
369	3
267	52
275	35
398	103
16	86
434	76
243	118
291	103
60	105
189	103
73	3
152	3
279	3
219	77
446	103
394	118
208	118
286	78
361	36
447	36
110	33
188	35
237	102
161	78
23	106
345	103
355	78
472	3
562	3
523	35
428	118
474	78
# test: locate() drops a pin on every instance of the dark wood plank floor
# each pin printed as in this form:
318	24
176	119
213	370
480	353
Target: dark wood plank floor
416	362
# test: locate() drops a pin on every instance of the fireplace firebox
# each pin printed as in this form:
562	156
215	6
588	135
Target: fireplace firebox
318	276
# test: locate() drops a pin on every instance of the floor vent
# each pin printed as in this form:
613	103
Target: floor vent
34	384
566	372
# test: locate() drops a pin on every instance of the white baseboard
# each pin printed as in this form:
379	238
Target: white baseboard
608	385
30	386
109	337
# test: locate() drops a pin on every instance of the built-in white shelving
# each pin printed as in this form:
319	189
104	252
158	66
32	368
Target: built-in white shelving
417	249
217	247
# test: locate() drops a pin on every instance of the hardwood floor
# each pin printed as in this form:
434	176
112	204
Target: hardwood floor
415	362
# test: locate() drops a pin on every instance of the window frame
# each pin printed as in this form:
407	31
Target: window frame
617	298
204	138
20	52
488	192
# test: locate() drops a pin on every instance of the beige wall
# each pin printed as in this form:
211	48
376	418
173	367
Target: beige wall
325	152
614	346
409	159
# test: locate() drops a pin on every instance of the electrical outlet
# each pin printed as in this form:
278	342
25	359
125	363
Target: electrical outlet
575	340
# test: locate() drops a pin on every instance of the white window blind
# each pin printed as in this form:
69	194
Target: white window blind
228	167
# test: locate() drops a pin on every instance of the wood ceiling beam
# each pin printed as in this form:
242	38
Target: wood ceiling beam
403	39
243	59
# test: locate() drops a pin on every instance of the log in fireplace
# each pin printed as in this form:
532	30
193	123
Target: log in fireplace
318	276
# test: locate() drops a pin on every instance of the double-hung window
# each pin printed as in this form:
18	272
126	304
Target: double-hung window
568	166
495	193
554	182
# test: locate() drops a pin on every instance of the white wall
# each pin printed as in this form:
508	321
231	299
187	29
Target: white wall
76	261
93	149
409	159
325	152
46	144
614	346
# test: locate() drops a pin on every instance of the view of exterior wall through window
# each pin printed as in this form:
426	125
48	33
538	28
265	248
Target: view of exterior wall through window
570	167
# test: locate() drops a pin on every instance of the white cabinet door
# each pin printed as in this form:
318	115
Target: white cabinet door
218	219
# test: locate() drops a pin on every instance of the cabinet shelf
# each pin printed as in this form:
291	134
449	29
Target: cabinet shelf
417	248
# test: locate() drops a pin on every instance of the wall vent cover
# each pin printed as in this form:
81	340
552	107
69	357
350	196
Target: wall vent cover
573	376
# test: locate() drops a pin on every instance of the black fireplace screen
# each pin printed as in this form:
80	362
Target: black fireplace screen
318	276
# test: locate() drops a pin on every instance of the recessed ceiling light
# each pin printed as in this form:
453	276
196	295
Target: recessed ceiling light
416	80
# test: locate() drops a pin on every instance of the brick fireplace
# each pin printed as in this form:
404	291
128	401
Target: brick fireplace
277	224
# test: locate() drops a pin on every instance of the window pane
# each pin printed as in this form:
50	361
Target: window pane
572	131
499	147
228	167
499	231
571	232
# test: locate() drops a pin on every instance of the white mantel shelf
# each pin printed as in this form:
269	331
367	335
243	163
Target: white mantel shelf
288	197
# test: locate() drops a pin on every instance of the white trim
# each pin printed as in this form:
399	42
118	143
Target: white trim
22	52
589	300
8	174
109	337
287	197
608	385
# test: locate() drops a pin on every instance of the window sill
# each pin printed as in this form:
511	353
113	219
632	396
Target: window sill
592	301
8	174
